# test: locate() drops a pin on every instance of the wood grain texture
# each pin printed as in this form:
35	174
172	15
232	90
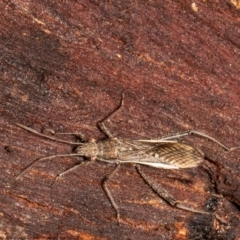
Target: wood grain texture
64	65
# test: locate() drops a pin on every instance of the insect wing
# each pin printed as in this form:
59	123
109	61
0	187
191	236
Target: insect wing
177	154
164	155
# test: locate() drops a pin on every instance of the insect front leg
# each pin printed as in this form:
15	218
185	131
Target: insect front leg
60	175
44	158
79	135
108	193
164	194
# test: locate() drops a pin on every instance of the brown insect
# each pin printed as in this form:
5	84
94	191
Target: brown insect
166	153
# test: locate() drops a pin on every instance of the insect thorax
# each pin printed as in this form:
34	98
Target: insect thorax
107	149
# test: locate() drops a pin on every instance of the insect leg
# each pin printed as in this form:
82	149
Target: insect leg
192	132
101	124
164	194
108	193
79	135
105	130
60	175
44	158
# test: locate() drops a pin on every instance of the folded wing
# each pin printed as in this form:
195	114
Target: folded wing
164	155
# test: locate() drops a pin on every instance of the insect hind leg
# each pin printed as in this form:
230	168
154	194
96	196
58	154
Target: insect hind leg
165	195
193	132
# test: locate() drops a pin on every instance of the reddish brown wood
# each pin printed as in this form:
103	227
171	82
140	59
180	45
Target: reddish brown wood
64	65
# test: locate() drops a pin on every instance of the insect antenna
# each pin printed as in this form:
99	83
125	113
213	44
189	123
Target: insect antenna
45	136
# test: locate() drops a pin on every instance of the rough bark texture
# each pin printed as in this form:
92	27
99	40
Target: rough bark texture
64	65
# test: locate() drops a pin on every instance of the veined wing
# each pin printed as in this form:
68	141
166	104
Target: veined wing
164	155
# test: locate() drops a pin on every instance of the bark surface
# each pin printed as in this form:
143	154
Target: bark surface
64	65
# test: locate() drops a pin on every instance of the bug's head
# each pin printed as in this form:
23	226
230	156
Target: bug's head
88	149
